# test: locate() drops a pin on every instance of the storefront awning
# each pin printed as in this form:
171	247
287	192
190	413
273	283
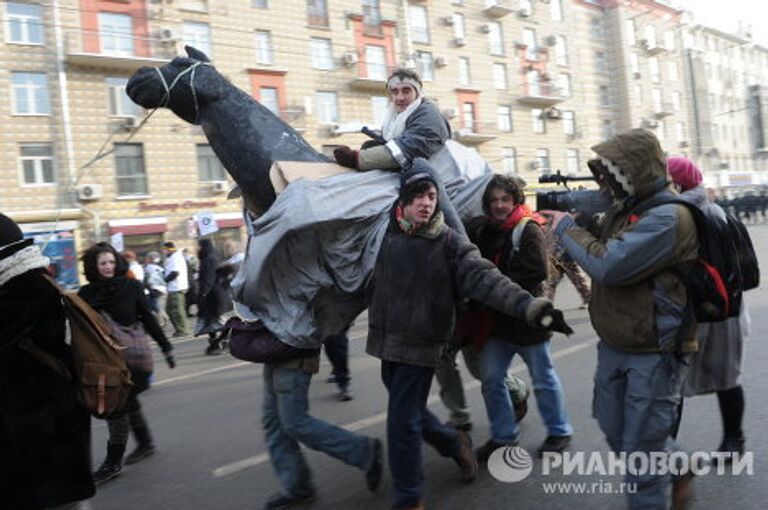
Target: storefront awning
229	220
139	226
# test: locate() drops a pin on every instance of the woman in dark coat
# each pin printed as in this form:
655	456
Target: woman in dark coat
212	297
121	301
45	435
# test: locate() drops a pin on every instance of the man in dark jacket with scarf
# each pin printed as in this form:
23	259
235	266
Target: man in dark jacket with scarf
638	304
511	236
423	268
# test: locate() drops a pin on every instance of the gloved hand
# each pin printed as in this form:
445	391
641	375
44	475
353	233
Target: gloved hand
169	359
554	217
346	156
542	314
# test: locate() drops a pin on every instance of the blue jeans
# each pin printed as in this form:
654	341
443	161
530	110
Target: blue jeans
635	403
495	358
287	423
408	421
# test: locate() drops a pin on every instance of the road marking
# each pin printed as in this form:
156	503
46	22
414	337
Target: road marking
204	372
237	466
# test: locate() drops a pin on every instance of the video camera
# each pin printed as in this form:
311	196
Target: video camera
586	204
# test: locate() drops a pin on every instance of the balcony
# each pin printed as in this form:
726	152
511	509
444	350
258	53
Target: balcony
468	136
652	49
663	110
541	95
375	79
498	8
84	48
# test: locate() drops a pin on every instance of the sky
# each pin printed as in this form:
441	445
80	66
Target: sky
725	16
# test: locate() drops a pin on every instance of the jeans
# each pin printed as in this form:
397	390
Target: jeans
635	403
408	421
495	359
287	424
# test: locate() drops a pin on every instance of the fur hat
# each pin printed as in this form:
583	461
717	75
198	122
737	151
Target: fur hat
11	238
418	172
684	172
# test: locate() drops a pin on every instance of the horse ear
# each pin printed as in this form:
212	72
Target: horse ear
196	54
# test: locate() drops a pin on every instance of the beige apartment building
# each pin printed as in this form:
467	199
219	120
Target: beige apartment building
531	84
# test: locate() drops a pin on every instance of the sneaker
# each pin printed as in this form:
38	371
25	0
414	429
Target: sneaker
279	500
376	469
106	472
555	444
484	452
140	453
213	350
465	458
331	379
345	395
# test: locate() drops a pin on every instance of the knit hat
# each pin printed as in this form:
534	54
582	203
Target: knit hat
683	172
11	238
419	171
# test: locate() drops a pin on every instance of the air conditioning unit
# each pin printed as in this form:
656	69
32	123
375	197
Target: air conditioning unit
459	41
447	21
684	144
168	34
550	40
89	192
545	77
440	62
637	76
449	113
533	164
486	29
349	59
524	13
554	113
219	186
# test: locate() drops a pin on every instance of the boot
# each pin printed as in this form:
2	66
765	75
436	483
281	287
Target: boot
213	347
111	466
144	449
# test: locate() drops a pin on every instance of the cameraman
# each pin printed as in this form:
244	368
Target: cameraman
637	304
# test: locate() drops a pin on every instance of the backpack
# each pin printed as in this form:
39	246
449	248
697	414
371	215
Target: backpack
714	280
750	271
101	376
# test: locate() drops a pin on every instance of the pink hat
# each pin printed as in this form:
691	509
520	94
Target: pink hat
683	172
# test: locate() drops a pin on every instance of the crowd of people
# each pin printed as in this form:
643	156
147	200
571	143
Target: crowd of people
438	287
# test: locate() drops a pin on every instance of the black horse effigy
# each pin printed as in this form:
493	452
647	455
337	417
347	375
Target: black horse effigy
245	135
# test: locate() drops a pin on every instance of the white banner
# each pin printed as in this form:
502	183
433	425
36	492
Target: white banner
116	240
206	223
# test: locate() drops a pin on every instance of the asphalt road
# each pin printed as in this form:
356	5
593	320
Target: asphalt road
205	416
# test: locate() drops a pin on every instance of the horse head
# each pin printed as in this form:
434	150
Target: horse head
246	136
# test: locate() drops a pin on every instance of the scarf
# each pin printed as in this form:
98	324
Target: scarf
103	293
394	122
429	229
22	261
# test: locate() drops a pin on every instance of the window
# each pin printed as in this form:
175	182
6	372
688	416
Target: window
317	13
661	131
600	64
564	84
198	35
24	23
605	95
596	27
542	160
680	130
649	33
537	120
465	77
634	63
458	25
264	52
500	76
572	161
30	94
269	98
195	5
656	99
468	115
556	10
672	72
321	53
419	24
372	16
116	33
639	94
36	161
561	51
509	160
669	40
209	168
529	39
504	118
425	65
120	105
629	26
525	5
131	176
259	4
569	122
607	129
495	38
375	62
653	69
379	106
677	101
327	107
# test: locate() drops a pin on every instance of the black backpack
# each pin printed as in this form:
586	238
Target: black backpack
714	280
750	271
